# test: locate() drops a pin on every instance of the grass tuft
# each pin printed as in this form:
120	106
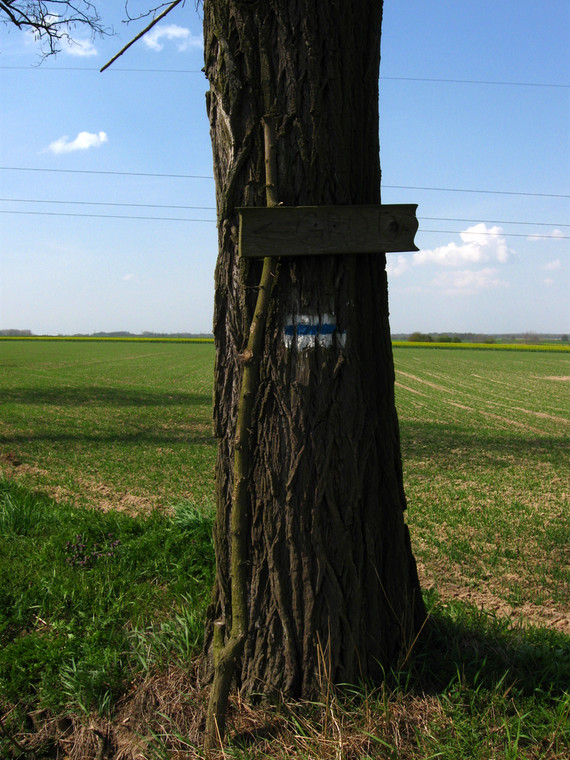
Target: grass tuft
21	514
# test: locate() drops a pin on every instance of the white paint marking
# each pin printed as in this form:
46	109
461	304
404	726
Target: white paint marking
306	331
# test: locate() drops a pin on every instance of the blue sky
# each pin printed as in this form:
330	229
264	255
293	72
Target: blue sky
78	147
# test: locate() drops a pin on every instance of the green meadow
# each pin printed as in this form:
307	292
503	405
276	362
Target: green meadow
113	424
106	561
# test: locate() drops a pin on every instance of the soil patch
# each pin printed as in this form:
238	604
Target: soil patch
410	390
424	382
523	615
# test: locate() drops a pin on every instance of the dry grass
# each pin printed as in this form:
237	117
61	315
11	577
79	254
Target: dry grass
164	717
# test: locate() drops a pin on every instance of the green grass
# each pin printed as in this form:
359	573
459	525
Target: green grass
122	425
81	591
486	466
106	560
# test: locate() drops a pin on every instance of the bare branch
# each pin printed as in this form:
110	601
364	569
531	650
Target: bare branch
52	21
141	34
143	14
7	10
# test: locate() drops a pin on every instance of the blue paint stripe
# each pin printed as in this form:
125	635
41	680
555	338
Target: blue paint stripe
302	329
307	329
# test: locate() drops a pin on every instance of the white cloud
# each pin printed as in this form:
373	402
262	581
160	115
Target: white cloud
549	281
552	265
79	48
76	47
556	233
480	244
171	32
469	266
396	267
83	141
469	281
128	277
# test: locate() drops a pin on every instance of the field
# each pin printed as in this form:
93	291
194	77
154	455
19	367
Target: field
101	609
122	425
485	447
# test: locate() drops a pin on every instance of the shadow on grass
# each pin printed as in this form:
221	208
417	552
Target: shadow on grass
102	395
95	423
146	437
470	647
474	447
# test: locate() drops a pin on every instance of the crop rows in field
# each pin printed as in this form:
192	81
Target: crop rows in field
503	391
109	424
484	440
487	474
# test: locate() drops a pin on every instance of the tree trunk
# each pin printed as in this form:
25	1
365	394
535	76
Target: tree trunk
331	580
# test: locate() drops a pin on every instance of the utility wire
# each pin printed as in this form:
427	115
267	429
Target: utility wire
110	216
119	174
475	81
213	221
212	208
95	70
105	203
441	80
489	221
203	176
500	234
471	190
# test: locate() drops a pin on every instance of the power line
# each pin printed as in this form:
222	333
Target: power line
471	190
105	203
212	208
97	71
439	80
203	176
110	216
92	171
213	221
476	81
490	221
501	234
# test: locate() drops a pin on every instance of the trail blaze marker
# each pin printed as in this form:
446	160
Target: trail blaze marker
322	230
307	331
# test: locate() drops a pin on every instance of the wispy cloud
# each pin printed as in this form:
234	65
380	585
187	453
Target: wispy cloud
552	265
83	141
70	45
79	48
480	244
186	40
396	265
556	233
469	281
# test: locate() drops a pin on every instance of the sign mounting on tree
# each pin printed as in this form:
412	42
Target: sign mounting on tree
321	230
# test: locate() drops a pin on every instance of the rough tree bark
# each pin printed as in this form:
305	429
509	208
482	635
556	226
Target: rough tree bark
330	568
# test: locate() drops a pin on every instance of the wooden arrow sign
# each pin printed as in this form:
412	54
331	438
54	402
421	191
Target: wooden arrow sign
321	230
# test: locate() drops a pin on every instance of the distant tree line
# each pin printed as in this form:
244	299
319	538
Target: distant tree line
144	334
116	334
528	337
419	337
